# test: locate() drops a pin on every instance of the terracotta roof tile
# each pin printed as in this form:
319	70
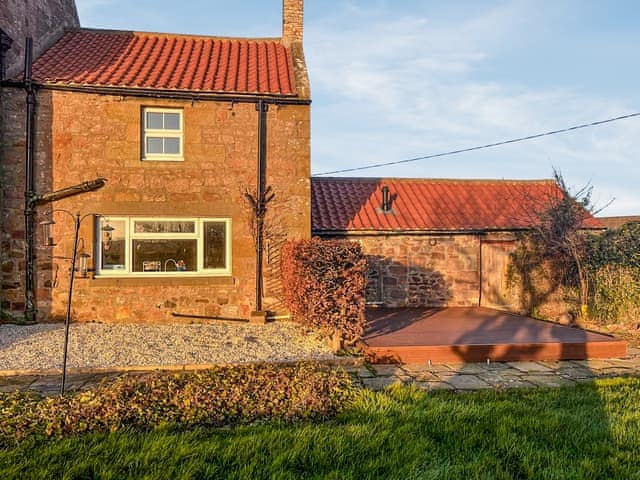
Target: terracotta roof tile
110	58
340	204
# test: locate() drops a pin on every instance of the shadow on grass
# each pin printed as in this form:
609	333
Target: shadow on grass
590	431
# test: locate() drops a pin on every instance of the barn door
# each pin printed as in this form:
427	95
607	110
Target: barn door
495	263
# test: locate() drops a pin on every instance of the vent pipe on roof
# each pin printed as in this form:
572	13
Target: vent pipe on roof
292	21
386	200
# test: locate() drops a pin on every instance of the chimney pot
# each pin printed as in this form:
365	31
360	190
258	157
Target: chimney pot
292	21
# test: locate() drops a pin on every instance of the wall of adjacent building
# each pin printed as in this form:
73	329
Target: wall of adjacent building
82	136
437	270
417	271
43	20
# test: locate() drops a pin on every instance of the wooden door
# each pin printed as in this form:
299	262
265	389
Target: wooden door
494	282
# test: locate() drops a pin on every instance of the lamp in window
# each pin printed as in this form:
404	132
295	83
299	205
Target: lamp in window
107	235
47	239
107	228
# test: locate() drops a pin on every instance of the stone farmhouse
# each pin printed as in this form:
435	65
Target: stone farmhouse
197	137
188	131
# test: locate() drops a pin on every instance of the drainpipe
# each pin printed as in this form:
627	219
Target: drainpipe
262	108
30	308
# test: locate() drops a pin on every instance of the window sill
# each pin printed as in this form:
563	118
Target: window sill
162	160
109	281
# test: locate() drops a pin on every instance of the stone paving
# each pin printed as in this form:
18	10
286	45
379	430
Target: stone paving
461	377
457	377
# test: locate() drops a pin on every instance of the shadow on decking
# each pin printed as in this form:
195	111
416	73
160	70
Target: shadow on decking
475	334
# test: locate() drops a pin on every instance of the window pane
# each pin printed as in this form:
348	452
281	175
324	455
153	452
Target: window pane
172	145
172	121
164	227
164	255
214	245
154	120
154	145
112	235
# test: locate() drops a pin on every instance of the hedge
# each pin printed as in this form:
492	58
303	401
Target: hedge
324	285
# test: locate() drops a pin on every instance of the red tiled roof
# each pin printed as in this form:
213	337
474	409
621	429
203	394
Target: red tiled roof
354	204
167	61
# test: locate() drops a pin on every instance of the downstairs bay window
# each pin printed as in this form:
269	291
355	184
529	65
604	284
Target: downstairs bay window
137	246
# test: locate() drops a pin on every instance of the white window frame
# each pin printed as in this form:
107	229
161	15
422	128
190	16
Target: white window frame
164	133
131	235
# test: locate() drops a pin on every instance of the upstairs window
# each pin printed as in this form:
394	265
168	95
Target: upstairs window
163	134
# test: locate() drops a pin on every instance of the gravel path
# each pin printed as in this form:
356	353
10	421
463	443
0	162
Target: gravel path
115	345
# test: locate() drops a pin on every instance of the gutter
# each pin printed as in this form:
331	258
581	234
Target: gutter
191	95
377	233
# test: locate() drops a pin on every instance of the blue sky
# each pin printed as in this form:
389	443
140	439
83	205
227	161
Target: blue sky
399	79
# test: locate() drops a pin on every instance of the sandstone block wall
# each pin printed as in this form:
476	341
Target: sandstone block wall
417	271
81	136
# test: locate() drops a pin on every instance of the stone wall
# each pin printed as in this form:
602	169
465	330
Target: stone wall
81	136
43	20
446	271
416	271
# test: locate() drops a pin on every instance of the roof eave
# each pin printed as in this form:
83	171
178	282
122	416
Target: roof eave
405	231
239	97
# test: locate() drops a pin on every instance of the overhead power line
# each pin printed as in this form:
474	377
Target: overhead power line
480	147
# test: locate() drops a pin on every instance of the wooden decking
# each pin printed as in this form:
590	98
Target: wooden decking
475	335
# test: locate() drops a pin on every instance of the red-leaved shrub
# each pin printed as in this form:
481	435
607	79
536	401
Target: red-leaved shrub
222	396
324	283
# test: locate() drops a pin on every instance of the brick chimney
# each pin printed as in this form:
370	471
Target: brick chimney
292	19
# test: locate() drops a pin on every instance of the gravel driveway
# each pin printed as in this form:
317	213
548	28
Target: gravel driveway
116	345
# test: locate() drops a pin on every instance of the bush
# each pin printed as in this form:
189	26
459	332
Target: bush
620	246
324	283
222	396
616	294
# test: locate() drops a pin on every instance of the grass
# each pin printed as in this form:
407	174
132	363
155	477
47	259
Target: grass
588	431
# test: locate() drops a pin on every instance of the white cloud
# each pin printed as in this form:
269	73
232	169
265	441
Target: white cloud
405	86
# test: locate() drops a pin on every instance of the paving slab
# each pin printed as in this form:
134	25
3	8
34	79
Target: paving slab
437	386
633	363
515	383
467	382
443	367
415	367
364	372
549	380
576	373
472	368
383	370
424	376
530	367
594	363
510	372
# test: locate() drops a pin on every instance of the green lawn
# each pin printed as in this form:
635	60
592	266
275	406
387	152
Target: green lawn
588	431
